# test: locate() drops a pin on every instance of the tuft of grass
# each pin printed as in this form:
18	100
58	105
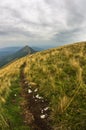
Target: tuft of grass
13	109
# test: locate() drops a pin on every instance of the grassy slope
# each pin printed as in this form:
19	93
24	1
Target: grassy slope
60	75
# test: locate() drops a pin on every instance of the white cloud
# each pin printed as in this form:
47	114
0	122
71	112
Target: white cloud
42	20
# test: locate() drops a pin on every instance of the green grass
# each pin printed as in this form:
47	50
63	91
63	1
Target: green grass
13	110
60	75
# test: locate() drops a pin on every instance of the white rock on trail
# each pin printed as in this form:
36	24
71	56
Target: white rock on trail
36	90
46	108
37	96
29	91
42	116
42	111
26	82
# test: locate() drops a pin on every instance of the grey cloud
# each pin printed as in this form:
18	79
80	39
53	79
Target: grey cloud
70	36
15	31
17	15
75	14
61	21
3	33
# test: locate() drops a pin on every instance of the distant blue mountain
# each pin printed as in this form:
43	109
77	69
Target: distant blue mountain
8	51
15	54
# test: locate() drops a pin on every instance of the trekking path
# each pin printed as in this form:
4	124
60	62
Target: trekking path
35	108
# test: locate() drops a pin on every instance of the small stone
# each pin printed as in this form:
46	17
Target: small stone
36	90
45	109
37	96
42	111
42	116
29	91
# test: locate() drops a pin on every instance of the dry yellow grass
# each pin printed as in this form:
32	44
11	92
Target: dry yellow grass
60	75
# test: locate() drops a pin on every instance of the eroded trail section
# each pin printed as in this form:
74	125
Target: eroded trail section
35	107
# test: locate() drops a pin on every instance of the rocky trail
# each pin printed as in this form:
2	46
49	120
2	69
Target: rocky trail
35	107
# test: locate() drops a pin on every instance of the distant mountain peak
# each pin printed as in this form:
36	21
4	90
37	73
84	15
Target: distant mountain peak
27	49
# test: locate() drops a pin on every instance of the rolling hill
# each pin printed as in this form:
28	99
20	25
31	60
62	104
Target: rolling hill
45	90
12	55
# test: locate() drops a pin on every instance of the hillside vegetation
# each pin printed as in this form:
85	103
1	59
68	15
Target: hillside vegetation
59	74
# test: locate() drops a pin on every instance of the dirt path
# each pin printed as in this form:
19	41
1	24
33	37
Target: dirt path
35	108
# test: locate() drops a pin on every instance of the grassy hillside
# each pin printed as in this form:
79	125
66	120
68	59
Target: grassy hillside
59	75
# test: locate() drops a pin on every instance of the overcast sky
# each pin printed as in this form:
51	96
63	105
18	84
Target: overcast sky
42	22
